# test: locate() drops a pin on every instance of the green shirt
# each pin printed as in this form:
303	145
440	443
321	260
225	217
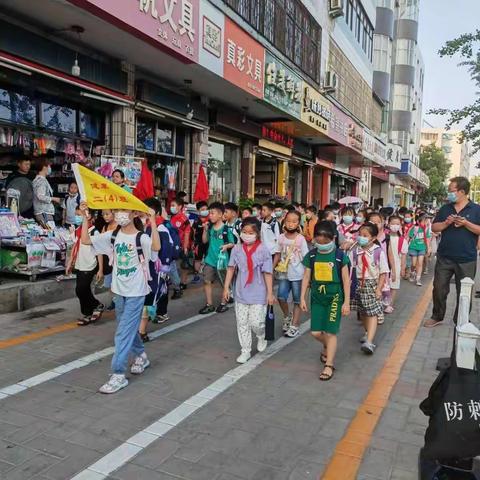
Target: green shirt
325	270
215	243
417	236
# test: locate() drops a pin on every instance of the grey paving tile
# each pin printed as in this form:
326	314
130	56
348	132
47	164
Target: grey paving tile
193	471
32	467
156	453
16	454
135	472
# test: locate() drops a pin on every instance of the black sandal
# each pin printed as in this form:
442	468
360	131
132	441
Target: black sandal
82	322
325	377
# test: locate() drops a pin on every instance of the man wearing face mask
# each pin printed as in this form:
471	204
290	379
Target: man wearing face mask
459	223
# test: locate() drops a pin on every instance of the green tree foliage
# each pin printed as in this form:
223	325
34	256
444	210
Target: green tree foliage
434	163
466	46
475	189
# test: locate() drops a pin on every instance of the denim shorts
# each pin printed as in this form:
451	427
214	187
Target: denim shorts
417	253
284	288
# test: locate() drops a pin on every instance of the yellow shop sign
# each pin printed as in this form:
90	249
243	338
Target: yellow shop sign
316	109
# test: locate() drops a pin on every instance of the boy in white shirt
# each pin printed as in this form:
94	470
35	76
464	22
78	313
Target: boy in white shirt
131	251
270	229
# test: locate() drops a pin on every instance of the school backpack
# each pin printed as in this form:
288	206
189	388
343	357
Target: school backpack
165	254
175	236
339	257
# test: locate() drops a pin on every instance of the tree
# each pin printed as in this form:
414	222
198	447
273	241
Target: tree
467	46
475	189
434	163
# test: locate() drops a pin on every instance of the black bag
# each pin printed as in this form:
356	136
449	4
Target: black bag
453	405
270	324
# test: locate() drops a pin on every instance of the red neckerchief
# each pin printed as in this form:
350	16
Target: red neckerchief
249	253
347	228
364	266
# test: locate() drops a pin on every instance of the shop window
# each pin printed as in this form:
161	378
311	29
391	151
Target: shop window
90	125
219	171
17	108
58	118
180	142
165	139
145	135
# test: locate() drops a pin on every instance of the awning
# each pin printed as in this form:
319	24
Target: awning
162	113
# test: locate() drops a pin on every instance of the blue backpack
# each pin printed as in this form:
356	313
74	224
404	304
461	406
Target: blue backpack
177	244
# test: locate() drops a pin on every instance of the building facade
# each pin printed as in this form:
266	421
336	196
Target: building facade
275	99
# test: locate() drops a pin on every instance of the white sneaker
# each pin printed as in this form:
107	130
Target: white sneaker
140	364
292	332
364	338
117	382
287	321
244	357
262	344
412	277
419	283
368	348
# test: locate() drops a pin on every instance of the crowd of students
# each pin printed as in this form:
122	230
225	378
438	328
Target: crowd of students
341	258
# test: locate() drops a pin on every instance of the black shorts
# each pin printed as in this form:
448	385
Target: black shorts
200	252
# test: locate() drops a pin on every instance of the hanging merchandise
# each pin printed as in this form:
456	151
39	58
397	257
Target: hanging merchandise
171	174
130	166
144	188
79	153
201	190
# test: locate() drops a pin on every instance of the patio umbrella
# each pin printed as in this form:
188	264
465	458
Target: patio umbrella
350	200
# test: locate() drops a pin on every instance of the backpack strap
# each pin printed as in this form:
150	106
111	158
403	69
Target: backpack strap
225	234
138	244
114	235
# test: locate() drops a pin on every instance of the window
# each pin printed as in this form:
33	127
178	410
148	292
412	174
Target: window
17	108
161	138
145	135
405	52
360	25
90	125
165	139
382	47
401	97
289	26
58	118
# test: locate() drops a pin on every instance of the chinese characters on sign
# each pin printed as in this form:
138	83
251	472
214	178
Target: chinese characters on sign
283	88
277	137
244	59
454	410
316	110
355	137
338	128
100	197
212	37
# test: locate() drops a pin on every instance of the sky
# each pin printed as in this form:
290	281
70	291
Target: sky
446	84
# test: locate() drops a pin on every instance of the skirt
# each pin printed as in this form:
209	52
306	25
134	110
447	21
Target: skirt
365	301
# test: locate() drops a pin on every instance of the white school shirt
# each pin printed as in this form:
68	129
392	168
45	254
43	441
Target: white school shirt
373	271
270	234
86	260
130	277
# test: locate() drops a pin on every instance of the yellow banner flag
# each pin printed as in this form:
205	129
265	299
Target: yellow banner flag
100	193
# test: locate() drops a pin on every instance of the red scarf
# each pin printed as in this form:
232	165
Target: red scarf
249	253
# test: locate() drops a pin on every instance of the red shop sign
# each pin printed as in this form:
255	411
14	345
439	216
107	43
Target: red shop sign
277	137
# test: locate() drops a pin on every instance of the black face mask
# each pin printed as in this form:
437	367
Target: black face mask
291	230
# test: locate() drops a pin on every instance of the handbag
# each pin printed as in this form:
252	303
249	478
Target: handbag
282	266
270	323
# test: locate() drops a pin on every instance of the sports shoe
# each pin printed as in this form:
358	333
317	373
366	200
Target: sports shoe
292	332
388	309
144	336
381	319
221	308
287	321
140	364
161	318
206	309
368	348
425	271
177	294
244	357
183	286
196	280
412	277
117	382
364	339
419	283
261	344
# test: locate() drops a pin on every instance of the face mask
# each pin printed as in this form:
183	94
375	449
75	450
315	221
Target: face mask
347	219
248	238
78	219
452	197
395	228
278	214
173	210
254	213
325	247
204	213
407	220
49	171
359	219
363	241
123	218
336	212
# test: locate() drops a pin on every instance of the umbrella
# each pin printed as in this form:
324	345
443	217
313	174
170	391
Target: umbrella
350	200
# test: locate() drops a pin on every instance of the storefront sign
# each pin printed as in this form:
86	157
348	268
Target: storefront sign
170	23
380	153
393	157
244	60
283	88
364	184
368	148
277	137
212	26
317	110
355	137
339	123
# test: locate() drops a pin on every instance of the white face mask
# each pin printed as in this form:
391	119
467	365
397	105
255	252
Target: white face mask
123	218
248	238
395	228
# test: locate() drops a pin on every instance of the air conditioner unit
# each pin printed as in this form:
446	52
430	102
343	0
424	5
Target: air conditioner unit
336	8
330	82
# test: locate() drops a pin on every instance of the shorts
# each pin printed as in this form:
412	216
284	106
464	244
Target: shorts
366	302
107	280
326	309
284	288
210	274
417	253
200	252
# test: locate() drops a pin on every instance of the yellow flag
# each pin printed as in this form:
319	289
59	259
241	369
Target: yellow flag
100	193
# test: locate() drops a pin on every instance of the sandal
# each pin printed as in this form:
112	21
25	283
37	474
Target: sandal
323	357
97	313
325	377
144	336
82	322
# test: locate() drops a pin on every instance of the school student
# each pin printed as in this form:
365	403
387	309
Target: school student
108	225
270	228
253	287
231	219
257	211
327	275
220	240
418	248
371	270
131	252
72	203
346	228
398	249
246	212
292	247
311	220
199	248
